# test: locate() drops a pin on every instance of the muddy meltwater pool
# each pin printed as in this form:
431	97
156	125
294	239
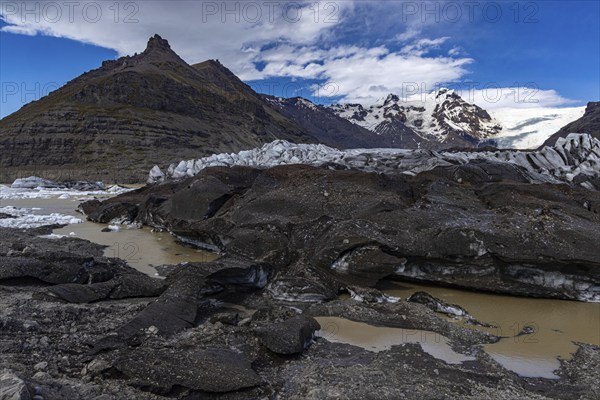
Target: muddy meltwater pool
141	248
554	325
378	338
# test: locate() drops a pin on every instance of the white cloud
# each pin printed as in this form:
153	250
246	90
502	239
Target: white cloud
360	74
423	46
491	96
299	43
20	30
288	41
197	30
455	51
407	35
365	78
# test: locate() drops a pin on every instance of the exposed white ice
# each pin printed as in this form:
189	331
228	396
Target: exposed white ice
156	175
53	236
571	156
582	288
585	290
38	188
12	193
33	182
25	218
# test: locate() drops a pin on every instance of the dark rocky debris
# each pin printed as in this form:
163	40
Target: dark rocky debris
74	324
214	331
291	336
478	225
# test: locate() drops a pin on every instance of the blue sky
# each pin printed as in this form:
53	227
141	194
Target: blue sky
326	51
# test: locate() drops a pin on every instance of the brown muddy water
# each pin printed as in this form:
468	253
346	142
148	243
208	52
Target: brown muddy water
141	248
557	324
376	338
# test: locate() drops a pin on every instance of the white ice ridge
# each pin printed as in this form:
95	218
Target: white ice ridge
44	192
571	156
24	218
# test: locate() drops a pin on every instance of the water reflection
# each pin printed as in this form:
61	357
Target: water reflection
556	325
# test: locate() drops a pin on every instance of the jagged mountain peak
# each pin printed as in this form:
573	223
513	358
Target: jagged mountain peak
391	98
156	42
445	93
302	102
158	50
438	96
440	118
157	55
136	110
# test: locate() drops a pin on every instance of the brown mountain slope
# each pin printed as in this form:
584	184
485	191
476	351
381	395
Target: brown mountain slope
114	123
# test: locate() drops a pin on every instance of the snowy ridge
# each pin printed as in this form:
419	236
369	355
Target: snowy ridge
298	101
577	154
434	117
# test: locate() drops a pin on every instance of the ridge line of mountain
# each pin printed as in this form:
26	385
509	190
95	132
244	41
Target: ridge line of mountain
117	121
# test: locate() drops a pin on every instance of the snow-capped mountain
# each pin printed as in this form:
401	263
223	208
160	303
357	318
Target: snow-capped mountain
441	119
324	125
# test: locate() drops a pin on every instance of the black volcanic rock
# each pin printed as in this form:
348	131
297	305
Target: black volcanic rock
288	337
120	287
479	225
53	349
117	121
121	213
588	123
214	370
54	261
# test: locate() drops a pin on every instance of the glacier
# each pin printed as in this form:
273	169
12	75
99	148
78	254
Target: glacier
572	156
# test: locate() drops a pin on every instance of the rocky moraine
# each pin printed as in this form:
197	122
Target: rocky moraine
302	244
